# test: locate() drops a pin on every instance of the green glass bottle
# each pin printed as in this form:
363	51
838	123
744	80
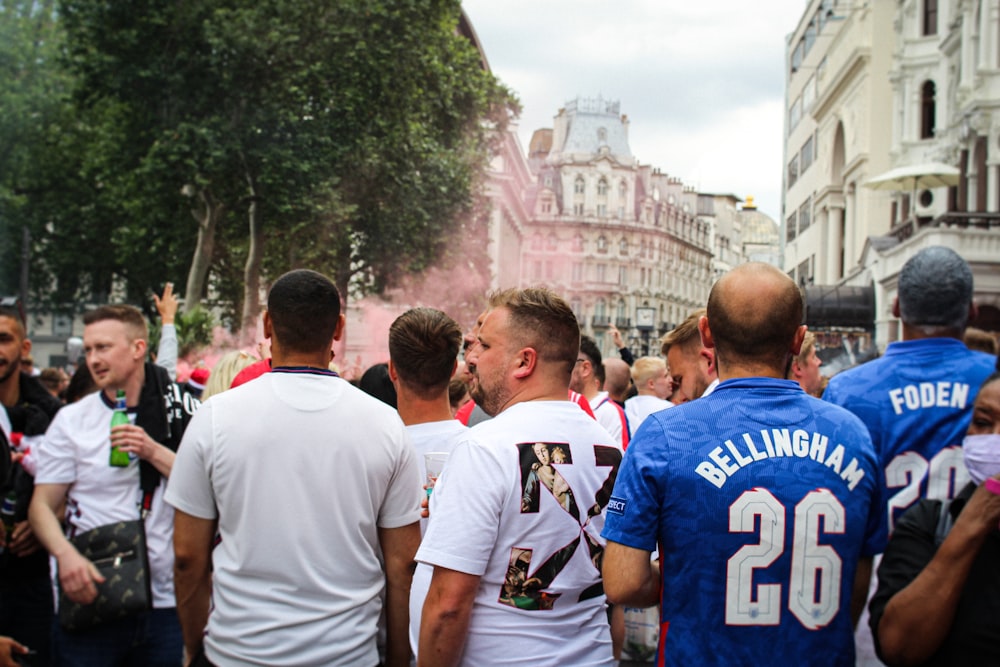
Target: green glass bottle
118	458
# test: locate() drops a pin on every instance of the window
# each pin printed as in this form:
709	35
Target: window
577	307
927	122
930	17
536	242
797	56
805	215
623	247
790	230
622	190
623	275
620	312
578	185
552	243
793	171
602	244
806	155
794	114
578	208
601	308
600	273
577	272
602	188
602	210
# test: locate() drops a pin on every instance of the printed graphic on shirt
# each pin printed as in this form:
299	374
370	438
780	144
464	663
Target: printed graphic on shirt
523	588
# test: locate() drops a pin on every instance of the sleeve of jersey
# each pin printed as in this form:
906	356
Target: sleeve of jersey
401	506
465	510
909	551
633	511
56	456
189	488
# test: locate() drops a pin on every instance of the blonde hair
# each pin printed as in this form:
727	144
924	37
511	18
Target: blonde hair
686	335
808	345
225	370
646	368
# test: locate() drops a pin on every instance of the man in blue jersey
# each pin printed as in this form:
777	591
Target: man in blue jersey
762	500
916	400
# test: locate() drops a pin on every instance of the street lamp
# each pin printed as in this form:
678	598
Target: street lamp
645	317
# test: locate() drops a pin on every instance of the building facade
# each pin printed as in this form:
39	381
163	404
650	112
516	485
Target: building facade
622	242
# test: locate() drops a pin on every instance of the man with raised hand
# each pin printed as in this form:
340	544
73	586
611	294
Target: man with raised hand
763	502
516	515
312	487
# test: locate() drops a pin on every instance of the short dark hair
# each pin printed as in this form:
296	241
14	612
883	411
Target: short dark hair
304	309
759	330
130	316
15	314
588	347
935	290
423	346
375	382
541	319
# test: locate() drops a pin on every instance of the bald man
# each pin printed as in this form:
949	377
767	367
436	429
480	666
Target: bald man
617	380
764	501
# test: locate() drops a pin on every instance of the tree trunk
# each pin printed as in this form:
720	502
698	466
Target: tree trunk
201	261
251	271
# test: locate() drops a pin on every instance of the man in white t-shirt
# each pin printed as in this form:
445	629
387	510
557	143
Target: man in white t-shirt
653	386
588	380
423	353
313	490
515	517
73	470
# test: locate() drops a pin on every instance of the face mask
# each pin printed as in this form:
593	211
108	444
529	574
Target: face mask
982	456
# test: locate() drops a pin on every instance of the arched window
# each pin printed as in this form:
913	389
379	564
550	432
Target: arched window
602	244
601	308
623	246
622	190
602	188
927	122
579	185
620	312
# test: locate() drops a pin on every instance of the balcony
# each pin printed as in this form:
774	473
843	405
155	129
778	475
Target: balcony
623	322
950	220
600	321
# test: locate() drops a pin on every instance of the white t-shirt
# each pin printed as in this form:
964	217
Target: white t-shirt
300	469
710	388
75	451
607	415
440	436
639	407
499	512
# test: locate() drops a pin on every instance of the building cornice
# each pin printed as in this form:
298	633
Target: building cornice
851	69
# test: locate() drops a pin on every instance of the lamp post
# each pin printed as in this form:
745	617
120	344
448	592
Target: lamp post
644	322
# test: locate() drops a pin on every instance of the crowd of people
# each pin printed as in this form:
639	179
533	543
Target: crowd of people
288	516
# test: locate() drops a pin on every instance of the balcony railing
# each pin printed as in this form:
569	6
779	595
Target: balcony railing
953	219
600	321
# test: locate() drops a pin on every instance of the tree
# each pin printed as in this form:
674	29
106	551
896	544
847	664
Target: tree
349	136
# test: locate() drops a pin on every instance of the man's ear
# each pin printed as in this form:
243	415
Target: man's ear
338	333
800	335
895	307
268	330
709	356
525	362
393	376
706	332
25	347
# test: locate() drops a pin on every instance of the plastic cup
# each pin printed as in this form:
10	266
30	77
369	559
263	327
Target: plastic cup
434	463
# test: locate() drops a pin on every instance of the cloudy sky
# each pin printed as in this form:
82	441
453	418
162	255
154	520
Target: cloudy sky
701	82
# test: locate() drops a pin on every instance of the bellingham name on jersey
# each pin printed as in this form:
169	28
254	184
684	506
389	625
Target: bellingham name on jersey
773	443
929	395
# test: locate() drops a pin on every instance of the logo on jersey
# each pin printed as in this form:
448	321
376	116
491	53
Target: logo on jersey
616	506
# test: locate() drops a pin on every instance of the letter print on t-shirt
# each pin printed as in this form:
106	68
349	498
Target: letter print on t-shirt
540	463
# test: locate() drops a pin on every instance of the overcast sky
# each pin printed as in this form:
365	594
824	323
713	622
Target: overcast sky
701	81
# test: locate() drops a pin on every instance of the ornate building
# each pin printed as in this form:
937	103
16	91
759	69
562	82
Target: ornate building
621	241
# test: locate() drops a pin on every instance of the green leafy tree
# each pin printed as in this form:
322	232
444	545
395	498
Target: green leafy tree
250	138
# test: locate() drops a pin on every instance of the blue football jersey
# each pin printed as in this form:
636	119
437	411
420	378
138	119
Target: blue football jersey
761	500
916	401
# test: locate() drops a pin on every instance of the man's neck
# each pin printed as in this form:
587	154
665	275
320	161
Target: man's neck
911	332
10	390
298	360
414	410
538	391
132	386
590	391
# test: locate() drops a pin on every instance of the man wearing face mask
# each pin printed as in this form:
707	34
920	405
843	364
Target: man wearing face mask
939	580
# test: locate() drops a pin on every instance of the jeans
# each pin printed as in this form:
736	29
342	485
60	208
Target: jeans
151	639
26	614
